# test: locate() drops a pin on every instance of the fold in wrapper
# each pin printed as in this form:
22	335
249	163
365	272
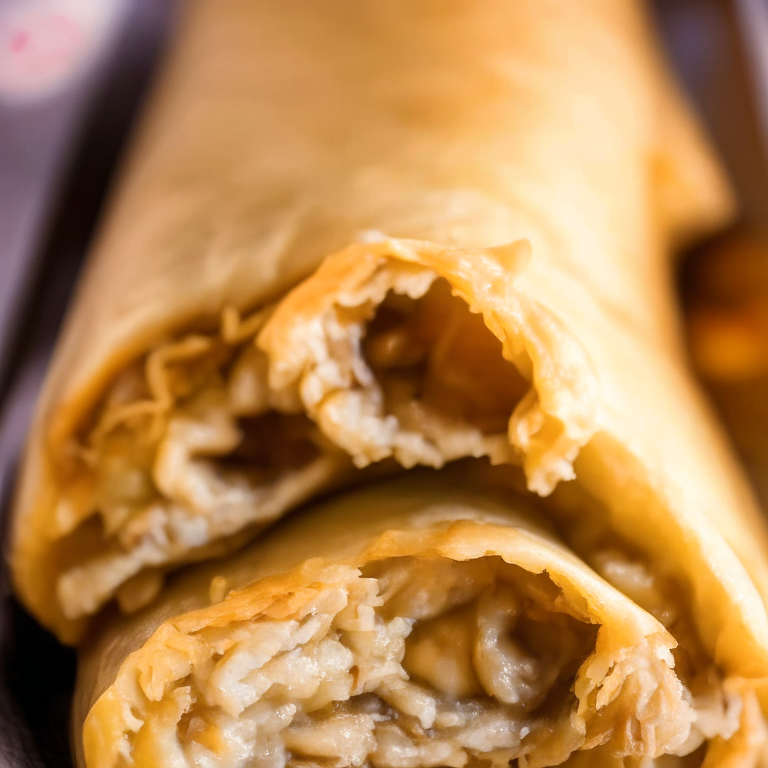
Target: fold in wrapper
497	188
422	622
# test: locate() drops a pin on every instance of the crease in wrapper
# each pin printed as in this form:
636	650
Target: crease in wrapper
448	627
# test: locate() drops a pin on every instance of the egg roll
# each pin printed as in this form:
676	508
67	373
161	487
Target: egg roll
427	621
356	236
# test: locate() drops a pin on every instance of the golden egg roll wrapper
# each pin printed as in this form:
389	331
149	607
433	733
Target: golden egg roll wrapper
423	622
493	190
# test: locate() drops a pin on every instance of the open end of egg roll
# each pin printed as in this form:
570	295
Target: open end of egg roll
450	629
192	446
185	454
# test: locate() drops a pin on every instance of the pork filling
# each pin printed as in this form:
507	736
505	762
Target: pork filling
187	453
413	662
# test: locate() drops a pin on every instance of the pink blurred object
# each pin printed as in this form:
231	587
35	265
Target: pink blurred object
45	44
